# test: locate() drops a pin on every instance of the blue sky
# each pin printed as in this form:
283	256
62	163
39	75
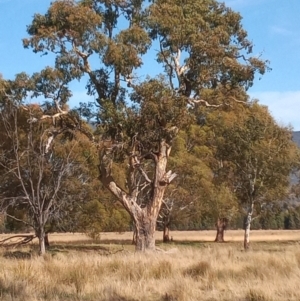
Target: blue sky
272	25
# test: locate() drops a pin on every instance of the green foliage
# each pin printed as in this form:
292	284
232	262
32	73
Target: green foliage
212	37
207	64
292	219
256	153
214	47
43	181
96	218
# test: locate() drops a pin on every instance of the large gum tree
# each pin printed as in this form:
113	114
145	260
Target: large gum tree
202	57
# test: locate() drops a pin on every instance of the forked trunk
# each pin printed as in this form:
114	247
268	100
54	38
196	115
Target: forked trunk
247	227
144	214
221	226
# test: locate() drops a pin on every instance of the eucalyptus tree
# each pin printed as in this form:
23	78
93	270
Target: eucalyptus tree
195	194
185	200
203	57
258	156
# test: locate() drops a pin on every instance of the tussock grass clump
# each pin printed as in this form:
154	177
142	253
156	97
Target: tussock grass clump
78	277
258	272
161	270
177	293
257	295
198	270
217	272
297	258
281	266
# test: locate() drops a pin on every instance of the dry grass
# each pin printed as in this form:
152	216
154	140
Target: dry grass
195	271
180	236
230	236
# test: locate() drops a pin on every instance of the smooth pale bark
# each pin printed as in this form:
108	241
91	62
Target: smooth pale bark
247	227
41	238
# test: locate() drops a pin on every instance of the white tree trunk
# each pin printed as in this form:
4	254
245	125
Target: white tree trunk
247	227
42	247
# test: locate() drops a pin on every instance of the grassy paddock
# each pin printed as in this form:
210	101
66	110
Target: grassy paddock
206	236
179	236
78	269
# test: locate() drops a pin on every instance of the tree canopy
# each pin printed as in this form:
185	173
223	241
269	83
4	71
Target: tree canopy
203	63
205	58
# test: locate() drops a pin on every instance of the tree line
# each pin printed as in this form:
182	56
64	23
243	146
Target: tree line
185	144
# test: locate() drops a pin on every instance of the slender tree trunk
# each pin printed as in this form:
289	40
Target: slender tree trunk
47	244
247	227
166	226
166	233
134	235
41	238
221	226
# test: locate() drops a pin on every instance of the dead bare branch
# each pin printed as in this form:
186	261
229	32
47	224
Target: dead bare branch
192	101
168	178
18	220
22	240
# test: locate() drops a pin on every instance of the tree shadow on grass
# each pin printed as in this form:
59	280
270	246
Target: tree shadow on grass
17	255
189	243
62	248
85	248
117	297
116	241
272	246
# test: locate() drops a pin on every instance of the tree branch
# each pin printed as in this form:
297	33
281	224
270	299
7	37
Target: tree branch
24	240
18	220
192	101
167	178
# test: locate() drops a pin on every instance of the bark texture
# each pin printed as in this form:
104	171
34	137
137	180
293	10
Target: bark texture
221	226
145	229
247	227
41	238
166	233
47	243
142	207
